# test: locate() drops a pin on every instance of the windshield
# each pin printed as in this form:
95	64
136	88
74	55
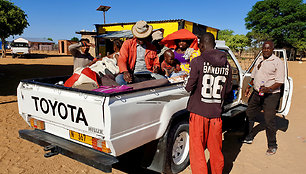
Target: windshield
19	44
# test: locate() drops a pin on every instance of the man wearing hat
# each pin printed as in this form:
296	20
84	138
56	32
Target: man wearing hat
138	58
157	36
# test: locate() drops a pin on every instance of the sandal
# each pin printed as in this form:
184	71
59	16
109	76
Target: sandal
271	151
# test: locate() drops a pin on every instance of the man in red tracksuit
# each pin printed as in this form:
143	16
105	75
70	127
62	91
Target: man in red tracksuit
209	81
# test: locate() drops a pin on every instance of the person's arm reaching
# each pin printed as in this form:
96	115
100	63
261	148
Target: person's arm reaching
74	49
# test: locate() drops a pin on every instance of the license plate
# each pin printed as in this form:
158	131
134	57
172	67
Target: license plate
80	137
19	53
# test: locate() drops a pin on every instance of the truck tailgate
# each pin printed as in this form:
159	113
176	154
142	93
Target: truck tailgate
67	114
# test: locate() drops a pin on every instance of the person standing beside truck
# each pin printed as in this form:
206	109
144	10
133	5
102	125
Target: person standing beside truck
138	56
209	82
80	52
267	76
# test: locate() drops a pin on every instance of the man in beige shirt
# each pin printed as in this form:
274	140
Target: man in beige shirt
268	75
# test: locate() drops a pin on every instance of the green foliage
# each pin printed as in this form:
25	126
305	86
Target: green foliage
236	42
301	46
75	39
50	39
12	19
283	21
257	40
225	34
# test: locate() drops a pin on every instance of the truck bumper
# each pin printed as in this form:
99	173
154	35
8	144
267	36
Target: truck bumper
57	145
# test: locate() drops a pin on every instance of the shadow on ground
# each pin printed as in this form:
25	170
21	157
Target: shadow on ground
132	162
235	129
36	56
11	74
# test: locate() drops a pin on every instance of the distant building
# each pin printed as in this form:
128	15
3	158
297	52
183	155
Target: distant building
104	31
63	46
41	44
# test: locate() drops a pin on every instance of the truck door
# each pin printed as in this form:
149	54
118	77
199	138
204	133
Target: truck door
286	89
234	97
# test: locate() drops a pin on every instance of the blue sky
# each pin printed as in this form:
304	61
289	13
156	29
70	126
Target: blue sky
60	19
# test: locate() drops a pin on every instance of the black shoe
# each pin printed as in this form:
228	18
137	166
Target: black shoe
271	151
247	140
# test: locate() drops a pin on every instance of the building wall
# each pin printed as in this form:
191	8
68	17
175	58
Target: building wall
63	46
169	27
41	46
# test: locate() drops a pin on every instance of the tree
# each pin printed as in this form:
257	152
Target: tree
236	42
301	47
257	40
75	39
50	39
282	20
225	34
13	21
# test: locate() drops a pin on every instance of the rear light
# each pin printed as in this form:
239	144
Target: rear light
100	145
37	124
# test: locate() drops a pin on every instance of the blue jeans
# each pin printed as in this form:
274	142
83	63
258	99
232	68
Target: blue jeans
139	77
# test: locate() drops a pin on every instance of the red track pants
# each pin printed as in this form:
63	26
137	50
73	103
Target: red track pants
205	132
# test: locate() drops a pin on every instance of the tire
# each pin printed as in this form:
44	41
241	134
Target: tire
13	55
177	158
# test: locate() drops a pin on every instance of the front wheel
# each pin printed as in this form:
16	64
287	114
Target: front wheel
177	158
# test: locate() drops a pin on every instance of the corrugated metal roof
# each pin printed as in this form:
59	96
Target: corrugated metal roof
45	40
119	34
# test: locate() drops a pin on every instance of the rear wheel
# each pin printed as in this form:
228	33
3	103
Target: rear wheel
177	158
13	55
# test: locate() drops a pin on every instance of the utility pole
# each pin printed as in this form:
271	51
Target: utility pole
104	9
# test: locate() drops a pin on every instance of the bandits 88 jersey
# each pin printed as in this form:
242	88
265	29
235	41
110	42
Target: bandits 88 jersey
210	79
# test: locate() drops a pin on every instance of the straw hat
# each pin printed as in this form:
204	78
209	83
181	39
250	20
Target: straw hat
141	29
157	35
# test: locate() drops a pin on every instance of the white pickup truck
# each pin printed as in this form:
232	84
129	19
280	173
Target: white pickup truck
96	128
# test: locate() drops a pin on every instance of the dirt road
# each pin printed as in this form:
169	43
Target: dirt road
20	156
